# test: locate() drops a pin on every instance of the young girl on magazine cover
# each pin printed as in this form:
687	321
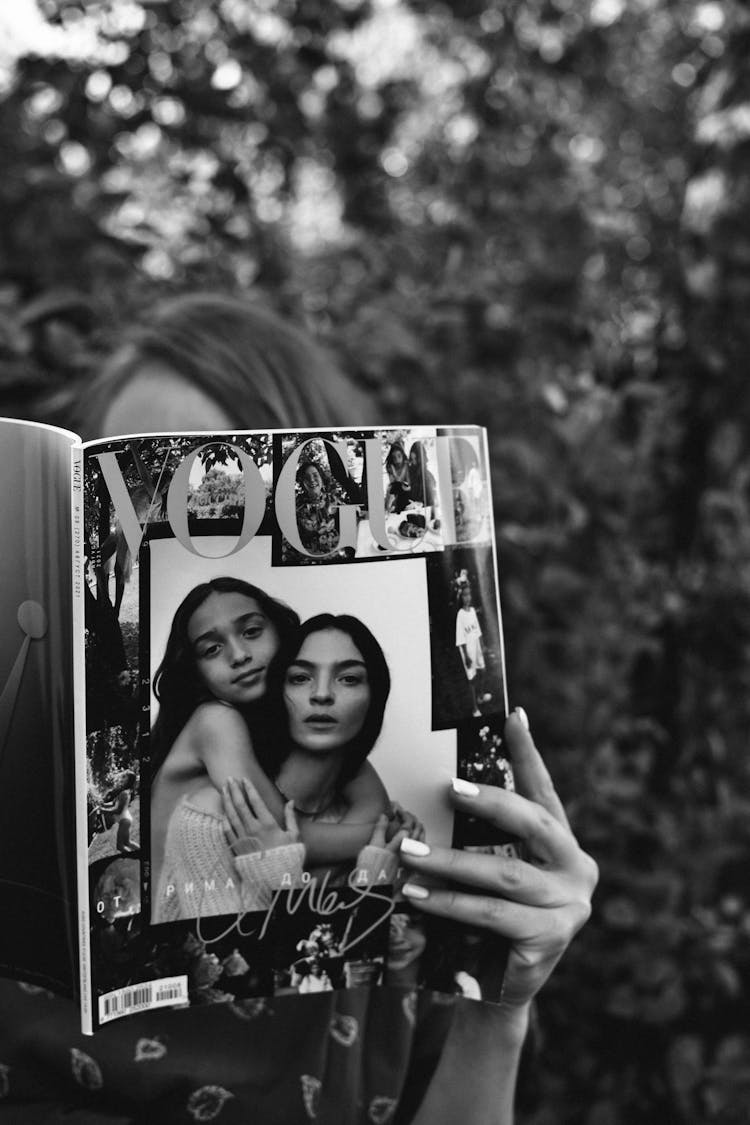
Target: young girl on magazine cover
211	361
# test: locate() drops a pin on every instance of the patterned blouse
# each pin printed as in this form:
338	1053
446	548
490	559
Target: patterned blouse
346	1057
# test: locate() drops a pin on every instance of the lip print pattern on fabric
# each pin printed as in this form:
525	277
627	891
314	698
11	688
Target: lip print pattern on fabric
85	1071
311	1088
381	1110
251	1007
149	1050
344	1029
207	1103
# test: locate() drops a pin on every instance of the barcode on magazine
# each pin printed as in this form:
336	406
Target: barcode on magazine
142	997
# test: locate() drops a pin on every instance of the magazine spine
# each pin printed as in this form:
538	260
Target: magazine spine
79	729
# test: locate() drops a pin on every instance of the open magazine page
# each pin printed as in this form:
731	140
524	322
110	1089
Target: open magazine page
37	849
317	614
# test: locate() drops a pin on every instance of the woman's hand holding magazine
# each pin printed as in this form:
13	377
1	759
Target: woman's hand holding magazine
538	903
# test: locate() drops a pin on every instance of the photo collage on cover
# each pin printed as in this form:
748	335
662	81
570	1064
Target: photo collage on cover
241	644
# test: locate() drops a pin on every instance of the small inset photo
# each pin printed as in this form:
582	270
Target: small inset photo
482	759
426	951
402	506
316	951
470	487
318	497
468	679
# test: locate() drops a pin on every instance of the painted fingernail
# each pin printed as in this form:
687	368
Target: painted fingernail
522	717
413	890
414	847
464	788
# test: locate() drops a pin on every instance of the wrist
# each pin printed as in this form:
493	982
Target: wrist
514	1021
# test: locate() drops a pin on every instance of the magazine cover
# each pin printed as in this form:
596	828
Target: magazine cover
293	643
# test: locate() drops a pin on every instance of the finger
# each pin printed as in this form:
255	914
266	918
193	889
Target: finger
290	820
394	845
541	930
231	813
378	833
531	776
548	839
241	811
501	875
257	804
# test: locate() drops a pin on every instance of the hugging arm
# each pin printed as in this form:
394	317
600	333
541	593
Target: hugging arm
366	799
224	746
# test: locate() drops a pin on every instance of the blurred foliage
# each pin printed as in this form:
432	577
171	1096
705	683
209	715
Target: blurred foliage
535	214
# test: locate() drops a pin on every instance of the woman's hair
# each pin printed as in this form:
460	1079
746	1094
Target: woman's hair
302	468
273	752
177	683
444	952
418	450
396	447
126	779
260	369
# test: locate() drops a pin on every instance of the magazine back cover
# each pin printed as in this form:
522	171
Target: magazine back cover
37	848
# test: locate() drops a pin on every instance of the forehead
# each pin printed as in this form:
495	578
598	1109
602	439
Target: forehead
328	646
158	398
219	610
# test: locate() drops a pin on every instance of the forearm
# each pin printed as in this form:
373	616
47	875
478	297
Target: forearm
334	843
475	1080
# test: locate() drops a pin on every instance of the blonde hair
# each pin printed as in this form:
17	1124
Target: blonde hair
260	369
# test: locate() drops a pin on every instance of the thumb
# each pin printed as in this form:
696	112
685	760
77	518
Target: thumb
378	833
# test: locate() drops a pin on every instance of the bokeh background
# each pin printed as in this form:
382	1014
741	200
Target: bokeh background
533	214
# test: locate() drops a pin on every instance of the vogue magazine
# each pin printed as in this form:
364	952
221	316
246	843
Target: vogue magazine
238	670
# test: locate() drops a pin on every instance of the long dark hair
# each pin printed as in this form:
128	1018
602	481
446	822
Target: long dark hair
260	369
177	683
396	447
273	752
421	480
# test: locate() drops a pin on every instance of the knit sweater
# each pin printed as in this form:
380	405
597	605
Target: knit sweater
200	876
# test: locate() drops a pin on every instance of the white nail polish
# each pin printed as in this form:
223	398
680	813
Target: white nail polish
464	788
414	847
413	890
523	718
